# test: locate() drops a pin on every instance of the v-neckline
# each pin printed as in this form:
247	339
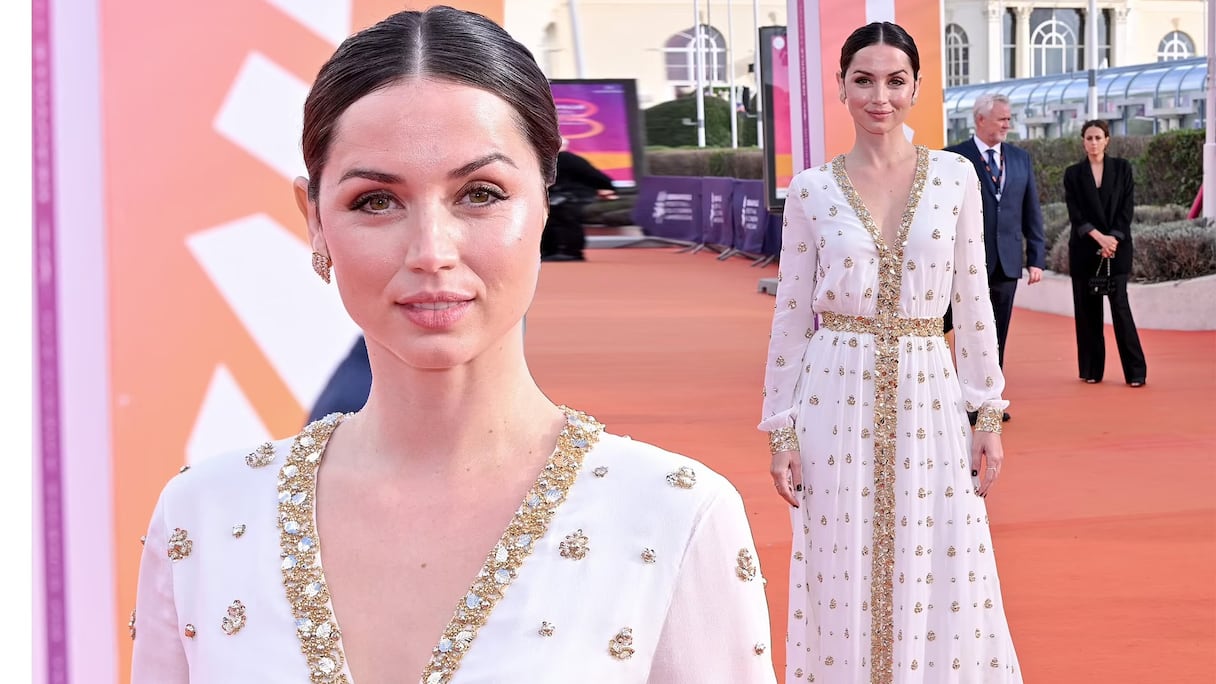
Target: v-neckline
317	625
863	212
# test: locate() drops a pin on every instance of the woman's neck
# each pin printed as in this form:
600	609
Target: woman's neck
1097	159
447	421
881	151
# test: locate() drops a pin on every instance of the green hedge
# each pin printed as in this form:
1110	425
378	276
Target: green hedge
1168	245
665	124
1168	168
733	163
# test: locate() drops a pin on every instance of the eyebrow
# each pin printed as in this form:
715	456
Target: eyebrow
369	174
866	73
481	162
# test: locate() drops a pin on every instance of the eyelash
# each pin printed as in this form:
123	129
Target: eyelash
864	81
496	195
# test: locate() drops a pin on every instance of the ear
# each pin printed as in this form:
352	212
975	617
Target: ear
916	89
308	209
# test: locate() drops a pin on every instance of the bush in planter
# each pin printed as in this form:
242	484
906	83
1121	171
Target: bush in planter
1176	250
1171	169
732	163
665	123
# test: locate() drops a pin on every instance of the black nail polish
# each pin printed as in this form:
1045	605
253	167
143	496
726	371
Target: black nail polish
799	488
974	473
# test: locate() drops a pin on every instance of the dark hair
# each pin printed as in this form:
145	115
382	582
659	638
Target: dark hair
1095	123
879	33
441	43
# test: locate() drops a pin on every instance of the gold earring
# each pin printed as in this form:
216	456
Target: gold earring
321	264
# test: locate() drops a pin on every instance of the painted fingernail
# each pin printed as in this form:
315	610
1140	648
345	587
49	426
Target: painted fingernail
799	488
974	473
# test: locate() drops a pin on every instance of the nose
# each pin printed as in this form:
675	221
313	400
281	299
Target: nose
432	241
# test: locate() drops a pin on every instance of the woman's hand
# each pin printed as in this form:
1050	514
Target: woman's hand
787	475
1107	243
987	457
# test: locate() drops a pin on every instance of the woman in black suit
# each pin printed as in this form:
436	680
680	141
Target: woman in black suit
1099	192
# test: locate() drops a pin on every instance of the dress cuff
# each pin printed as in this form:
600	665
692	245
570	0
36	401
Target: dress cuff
989	420
783	439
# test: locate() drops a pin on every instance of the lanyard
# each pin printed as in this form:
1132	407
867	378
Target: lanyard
1000	175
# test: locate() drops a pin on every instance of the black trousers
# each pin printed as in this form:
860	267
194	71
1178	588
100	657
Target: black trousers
1001	289
1091	341
564	232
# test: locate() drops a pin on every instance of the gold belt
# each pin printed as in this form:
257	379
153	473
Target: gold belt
916	327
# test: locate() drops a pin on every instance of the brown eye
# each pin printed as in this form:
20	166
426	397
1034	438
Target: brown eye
378	204
480	196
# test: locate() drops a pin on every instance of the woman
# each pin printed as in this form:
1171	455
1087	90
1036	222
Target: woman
1100	195
893	577
429	141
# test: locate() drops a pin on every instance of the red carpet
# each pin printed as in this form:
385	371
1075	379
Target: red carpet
1104	520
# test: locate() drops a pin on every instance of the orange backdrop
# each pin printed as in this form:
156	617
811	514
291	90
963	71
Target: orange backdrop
837	19
167	68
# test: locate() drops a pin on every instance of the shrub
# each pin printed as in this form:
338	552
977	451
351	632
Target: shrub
733	163
1171	168
1176	250
1055	223
1050	156
665	123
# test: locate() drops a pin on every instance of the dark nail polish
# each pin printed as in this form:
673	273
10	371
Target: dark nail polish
974	473
799	488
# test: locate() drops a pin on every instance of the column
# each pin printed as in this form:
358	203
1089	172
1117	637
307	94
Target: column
1118	49
996	41
1023	40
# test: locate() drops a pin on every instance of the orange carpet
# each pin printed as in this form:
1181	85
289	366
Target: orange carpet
1104	520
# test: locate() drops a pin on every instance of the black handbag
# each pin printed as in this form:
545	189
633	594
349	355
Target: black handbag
1101	284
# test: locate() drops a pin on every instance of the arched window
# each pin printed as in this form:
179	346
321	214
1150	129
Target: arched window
680	56
1175	45
1053	48
958	56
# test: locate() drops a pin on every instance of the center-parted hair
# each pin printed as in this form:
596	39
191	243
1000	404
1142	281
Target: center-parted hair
441	43
879	33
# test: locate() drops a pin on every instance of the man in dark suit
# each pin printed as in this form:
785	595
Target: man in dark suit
1013	224
578	184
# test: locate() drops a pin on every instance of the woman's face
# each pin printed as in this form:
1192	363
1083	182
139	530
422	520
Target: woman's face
878	88
431	206
1095	140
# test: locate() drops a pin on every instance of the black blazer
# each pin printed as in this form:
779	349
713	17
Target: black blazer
1108	209
1013	225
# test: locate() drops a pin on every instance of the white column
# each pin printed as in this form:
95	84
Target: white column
1023	41
996	41
1091	57
1118	51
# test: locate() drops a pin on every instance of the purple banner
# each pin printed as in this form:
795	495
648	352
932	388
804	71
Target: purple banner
717	208
596	119
47	326
670	207
751	217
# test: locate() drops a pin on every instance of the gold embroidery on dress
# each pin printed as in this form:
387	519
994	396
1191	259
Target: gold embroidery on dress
304	580
886	391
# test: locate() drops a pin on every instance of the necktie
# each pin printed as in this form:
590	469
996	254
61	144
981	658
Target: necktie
994	169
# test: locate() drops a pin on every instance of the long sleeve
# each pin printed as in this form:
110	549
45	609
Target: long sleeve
1126	197
717	625
1072	199
975	328
158	656
1032	223
793	314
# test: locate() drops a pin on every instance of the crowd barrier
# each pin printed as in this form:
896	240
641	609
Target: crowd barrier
725	214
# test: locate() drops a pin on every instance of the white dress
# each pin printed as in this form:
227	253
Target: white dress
893	577
625	563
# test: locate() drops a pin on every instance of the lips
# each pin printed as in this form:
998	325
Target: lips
436	310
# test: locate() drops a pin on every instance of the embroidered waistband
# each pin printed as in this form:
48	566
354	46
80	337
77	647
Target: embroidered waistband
916	327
